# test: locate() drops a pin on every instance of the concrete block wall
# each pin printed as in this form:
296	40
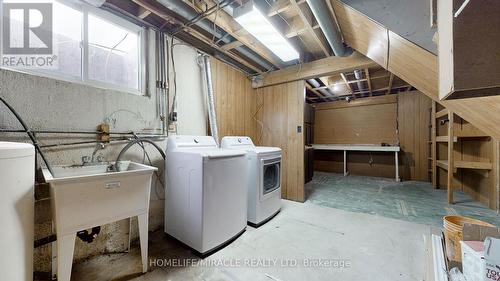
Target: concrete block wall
50	104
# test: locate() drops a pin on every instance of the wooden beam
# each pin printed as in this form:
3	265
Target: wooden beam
321	43
143	12
359	102
229	25
377	90
391	79
368	80
232	45
317	93
433	145
156	8
281	6
322	67
297	27
329	85
349	87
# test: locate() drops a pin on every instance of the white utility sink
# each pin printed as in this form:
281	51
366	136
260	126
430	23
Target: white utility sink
83	197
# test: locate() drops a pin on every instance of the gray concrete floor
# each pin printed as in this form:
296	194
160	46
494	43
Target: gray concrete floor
301	236
413	201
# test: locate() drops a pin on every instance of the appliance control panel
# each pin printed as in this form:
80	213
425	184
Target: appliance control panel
228	142
191	141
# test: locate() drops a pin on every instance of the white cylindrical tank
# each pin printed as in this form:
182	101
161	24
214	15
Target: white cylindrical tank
17	181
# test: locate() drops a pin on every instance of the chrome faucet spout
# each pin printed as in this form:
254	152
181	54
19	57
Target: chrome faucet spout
98	147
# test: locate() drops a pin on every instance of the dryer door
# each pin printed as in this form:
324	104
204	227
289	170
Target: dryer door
271	176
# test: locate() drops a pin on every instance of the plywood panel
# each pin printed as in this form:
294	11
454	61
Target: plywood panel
468	49
280	111
413	64
234	101
375	120
361	33
414	134
363	121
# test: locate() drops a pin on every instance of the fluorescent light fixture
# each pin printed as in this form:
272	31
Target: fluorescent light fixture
250	18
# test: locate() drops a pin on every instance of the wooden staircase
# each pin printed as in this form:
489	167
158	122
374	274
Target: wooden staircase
413	64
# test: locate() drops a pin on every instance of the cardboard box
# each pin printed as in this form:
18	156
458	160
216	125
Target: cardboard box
492	259
473	264
481	260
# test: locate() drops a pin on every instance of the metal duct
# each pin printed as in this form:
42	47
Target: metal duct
187	12
359	75
316	84
212	116
326	23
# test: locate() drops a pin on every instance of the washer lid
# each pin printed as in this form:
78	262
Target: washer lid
267	149
15	150
213	152
222	153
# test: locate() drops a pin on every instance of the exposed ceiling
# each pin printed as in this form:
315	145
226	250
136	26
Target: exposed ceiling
209	26
370	82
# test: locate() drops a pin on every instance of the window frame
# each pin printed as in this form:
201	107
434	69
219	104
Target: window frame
84	79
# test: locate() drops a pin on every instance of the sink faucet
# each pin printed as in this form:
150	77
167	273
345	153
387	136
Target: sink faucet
98	147
86	160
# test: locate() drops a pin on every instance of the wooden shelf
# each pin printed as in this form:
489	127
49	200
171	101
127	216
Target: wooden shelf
445	139
443	164
441	113
471	135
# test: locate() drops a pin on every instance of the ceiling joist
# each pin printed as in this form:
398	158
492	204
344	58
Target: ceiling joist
368	80
229	25
156	8
319	40
322	67
391	80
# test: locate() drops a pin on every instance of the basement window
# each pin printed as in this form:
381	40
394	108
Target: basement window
93	47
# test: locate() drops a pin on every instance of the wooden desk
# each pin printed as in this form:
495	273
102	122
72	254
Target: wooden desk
361	147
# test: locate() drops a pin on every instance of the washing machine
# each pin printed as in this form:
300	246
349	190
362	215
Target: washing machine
206	197
264	180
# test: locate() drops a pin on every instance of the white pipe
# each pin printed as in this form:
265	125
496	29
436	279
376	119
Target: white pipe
212	116
357	74
325	92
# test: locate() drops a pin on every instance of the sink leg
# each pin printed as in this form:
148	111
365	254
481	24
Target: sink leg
65	248
143	236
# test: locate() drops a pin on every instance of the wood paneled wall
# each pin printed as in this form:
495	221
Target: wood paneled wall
270	116
414	113
279	116
368	120
373	121
362	33
235	101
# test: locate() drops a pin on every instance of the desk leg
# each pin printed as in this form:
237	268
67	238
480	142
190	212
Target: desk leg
397	166
345	163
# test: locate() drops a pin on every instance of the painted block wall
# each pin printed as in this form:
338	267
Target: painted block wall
49	104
